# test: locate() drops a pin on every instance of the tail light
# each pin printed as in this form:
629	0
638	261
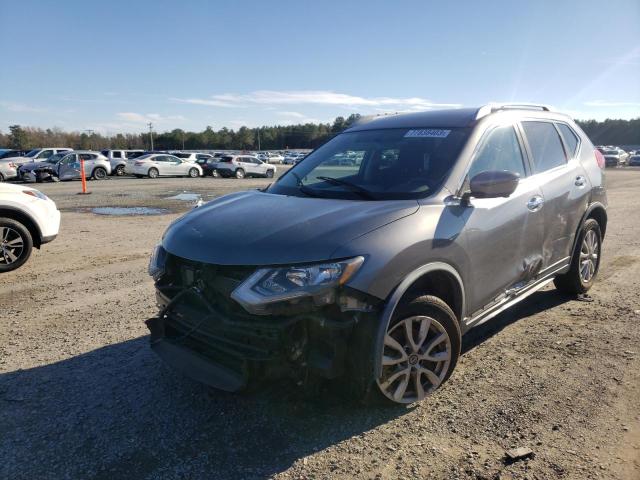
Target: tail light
600	159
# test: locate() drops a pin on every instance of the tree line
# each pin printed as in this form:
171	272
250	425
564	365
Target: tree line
308	135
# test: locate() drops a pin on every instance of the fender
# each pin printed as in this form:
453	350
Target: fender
397	294
21	214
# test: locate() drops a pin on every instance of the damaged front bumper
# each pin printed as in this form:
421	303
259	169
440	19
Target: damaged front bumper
229	349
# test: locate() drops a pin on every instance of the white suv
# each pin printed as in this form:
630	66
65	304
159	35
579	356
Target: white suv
28	218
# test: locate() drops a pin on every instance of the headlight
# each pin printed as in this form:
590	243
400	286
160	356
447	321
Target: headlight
157	262
36	193
270	285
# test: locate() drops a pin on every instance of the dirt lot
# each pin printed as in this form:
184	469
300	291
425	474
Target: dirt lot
82	395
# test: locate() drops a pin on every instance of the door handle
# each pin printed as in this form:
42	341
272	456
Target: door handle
535	203
580	181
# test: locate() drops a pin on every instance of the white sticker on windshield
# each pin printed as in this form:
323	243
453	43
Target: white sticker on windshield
427	133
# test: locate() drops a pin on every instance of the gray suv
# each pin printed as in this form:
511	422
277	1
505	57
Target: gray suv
370	273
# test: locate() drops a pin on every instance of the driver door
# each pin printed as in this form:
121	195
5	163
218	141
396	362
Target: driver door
69	167
503	236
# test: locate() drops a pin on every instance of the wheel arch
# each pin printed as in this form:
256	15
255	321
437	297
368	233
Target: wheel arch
437	278
27	221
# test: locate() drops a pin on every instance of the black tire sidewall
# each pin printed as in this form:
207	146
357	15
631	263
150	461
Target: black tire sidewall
589	224
28	243
99	173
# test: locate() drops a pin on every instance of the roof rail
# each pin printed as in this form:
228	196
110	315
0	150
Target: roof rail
494	107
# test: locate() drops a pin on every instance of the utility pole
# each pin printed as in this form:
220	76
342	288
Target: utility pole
151	134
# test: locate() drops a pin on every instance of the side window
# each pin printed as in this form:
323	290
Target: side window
545	145
570	138
116	154
87	156
158	158
499	151
69	159
45	154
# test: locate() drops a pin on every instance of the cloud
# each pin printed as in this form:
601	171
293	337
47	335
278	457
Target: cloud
605	103
149	117
314	97
20	107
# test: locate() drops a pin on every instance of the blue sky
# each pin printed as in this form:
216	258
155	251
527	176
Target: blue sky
114	65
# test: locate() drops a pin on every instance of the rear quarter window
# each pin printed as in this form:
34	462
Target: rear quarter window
570	138
545	145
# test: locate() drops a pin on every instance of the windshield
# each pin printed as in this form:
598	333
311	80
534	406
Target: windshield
376	165
55	158
32	153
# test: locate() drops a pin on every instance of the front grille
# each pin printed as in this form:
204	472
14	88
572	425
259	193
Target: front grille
206	319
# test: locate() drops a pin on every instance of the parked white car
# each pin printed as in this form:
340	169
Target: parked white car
8	171
35	155
28	218
118	159
241	166
191	156
155	165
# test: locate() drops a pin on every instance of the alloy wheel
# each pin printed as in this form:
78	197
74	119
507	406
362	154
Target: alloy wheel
589	256
415	359
11	245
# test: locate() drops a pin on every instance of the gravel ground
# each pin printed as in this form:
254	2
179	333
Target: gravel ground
82	395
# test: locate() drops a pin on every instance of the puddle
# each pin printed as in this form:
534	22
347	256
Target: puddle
186	197
128	211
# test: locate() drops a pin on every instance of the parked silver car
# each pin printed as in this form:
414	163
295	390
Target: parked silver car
67	167
371	272
156	165
241	166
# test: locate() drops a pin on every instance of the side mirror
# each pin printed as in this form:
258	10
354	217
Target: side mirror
493	184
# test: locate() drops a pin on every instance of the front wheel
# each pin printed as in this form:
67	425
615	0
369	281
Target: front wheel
153	173
239	173
269	173
193	172
120	170
585	262
15	244
421	348
99	173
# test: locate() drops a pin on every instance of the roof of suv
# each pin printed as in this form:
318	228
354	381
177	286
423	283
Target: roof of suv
450	118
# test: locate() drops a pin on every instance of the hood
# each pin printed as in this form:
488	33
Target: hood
29	166
256	228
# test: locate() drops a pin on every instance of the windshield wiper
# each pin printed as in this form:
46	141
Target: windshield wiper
357	189
301	186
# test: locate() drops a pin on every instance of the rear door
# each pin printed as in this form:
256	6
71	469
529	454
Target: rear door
564	184
503	236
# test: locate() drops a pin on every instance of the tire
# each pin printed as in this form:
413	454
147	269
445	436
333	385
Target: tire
13	232
418	312
586	259
1	178
99	173
239	173
269	173
215	173
153	173
119	171
194	173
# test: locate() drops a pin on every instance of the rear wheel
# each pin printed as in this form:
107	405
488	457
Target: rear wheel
120	170
239	173
585	262
15	244
153	173
269	173
193	172
99	173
